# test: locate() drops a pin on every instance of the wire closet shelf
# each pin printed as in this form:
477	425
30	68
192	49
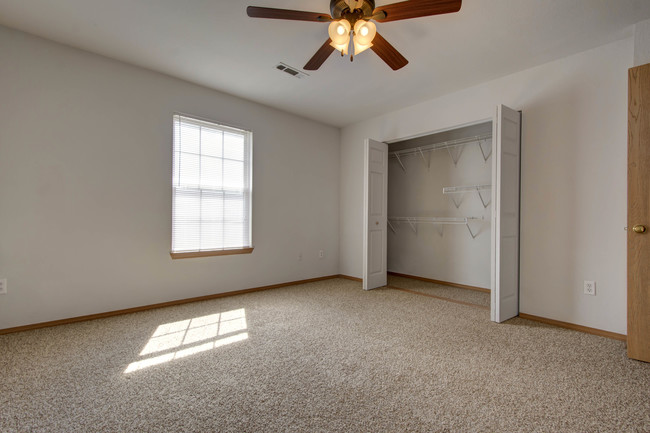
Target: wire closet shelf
454	147
454	191
439	221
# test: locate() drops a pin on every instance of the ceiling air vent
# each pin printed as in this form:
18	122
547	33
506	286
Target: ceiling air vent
290	70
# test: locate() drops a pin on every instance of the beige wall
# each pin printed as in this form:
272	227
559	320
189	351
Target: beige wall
642	43
85	187
573	204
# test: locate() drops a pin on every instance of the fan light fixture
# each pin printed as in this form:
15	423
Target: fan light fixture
351	19
362	35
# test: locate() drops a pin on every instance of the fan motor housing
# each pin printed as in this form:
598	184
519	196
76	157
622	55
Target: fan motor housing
338	8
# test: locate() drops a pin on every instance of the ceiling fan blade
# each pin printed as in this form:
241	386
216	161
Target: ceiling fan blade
388	53
415	8
319	58
286	14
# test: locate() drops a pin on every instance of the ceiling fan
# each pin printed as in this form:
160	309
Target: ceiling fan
351	19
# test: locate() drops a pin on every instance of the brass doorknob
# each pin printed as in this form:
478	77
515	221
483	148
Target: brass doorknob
639	229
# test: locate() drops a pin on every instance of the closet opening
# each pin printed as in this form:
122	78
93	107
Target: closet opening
439	210
441	214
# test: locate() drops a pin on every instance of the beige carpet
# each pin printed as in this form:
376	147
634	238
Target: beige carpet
319	357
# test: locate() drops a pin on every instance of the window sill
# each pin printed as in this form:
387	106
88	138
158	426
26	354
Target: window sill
191	254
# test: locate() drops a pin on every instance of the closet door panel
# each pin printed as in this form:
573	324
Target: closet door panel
505	217
375	214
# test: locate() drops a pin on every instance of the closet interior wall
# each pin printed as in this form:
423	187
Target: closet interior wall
445	252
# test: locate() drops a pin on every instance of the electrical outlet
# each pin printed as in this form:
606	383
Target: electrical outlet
321	254
590	288
3	286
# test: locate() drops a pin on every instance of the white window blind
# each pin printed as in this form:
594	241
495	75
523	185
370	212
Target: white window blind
212	186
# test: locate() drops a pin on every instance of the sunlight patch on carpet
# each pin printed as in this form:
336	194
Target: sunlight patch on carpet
199	334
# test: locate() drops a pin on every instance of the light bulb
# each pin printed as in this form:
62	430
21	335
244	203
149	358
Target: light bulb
364	32
340	29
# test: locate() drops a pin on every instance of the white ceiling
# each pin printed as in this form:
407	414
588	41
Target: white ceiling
214	43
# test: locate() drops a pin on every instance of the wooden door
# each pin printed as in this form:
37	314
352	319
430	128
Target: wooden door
506	163
638	214
375	218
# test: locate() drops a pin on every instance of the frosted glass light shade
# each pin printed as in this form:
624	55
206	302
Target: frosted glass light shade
364	32
343	48
339	32
359	48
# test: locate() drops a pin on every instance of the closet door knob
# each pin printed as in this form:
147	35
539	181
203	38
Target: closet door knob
639	229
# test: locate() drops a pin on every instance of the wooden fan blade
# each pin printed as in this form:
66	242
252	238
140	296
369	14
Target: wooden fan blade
388	53
286	14
319	58
416	8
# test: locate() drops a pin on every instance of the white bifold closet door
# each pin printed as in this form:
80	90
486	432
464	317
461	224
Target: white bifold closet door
506	161
375	218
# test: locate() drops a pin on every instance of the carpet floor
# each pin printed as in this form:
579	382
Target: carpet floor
319	357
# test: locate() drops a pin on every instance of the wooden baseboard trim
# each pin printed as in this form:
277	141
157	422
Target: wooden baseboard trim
575	327
159	305
347	277
446	283
455	301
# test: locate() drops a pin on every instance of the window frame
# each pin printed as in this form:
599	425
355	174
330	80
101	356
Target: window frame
248	137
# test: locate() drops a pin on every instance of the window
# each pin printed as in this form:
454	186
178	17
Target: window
212	187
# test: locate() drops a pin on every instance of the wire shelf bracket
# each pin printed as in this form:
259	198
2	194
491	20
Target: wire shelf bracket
412	222
458	199
427	161
487	151
455	152
400	161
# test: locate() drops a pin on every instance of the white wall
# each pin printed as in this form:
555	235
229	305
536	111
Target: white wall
85	187
573	206
452	256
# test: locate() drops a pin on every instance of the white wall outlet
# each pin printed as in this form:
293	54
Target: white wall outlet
590	288
321	254
3	286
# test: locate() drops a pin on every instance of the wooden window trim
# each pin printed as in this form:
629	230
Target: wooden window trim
228	252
